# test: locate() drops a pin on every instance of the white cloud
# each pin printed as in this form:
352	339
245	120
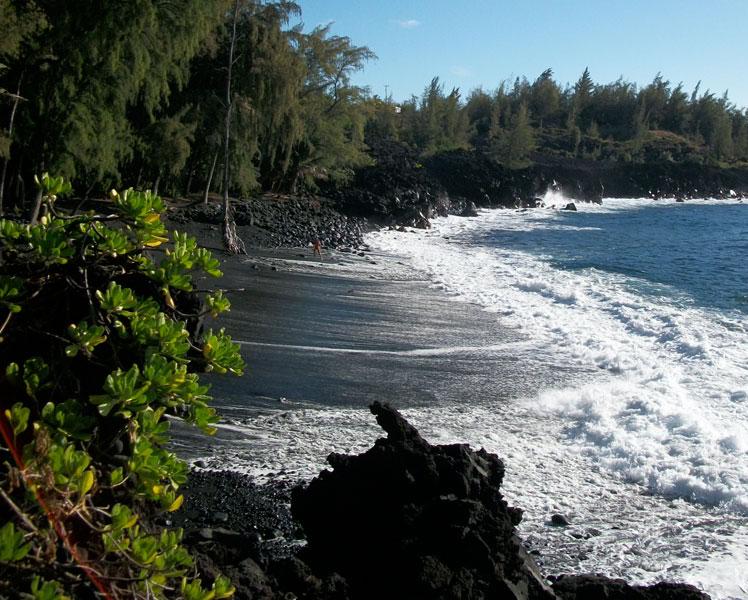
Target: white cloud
408	23
460	71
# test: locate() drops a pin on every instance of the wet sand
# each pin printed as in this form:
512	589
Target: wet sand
347	330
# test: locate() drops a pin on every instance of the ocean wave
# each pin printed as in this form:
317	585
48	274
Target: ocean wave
668	419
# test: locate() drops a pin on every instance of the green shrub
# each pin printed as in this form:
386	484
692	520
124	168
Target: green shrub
100	342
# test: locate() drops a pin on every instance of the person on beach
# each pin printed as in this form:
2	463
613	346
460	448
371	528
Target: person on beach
317	247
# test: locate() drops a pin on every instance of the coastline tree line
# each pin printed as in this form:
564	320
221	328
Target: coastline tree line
614	121
226	96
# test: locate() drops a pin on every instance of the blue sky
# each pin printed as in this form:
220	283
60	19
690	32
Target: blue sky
482	42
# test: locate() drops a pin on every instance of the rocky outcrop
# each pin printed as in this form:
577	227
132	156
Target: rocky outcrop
470	210
408	519
595	587
397	189
400	185
404	520
284	221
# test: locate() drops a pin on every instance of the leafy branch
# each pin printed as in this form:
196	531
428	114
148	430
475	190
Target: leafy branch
96	350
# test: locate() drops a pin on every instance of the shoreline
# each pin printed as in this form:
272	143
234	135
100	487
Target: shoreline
328	288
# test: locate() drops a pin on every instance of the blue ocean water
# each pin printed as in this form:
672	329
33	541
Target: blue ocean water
641	306
647	302
694	252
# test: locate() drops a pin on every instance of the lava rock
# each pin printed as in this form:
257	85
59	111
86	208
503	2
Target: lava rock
404	520
559	520
470	210
594	587
410	520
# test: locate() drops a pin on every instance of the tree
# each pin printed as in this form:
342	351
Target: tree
640	127
741	135
166	146
19	23
583	90
482	116
89	71
544	96
332	139
720	140
515	146
676	113
712	122
231	240
381	118
574	132
655	98
268	80
613	106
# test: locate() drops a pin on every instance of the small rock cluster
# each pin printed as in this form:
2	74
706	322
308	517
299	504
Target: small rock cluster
286	221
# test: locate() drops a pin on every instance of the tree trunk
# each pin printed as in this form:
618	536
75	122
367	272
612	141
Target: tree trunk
20	184
231	240
188	187
210	178
37	207
37	202
16	100
156	184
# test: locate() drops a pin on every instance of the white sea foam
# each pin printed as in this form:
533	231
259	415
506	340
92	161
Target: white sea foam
616	529
648	457
671	417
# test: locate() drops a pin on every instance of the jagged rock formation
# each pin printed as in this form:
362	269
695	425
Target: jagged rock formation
404	520
400	185
407	519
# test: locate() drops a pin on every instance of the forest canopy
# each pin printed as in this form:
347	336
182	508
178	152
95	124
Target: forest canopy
135	94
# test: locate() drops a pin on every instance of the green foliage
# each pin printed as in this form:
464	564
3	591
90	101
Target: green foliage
514	146
613	121
12	544
18	417
51	187
545	96
96	354
19	21
133	94
47	590
92	70
222	588
217	303
438	123
221	354
11	289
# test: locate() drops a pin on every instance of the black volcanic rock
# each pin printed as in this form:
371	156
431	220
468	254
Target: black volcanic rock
595	587
470	210
410	520
400	183
404	520
288	221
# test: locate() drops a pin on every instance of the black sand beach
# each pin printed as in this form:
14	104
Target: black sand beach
322	340
347	330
